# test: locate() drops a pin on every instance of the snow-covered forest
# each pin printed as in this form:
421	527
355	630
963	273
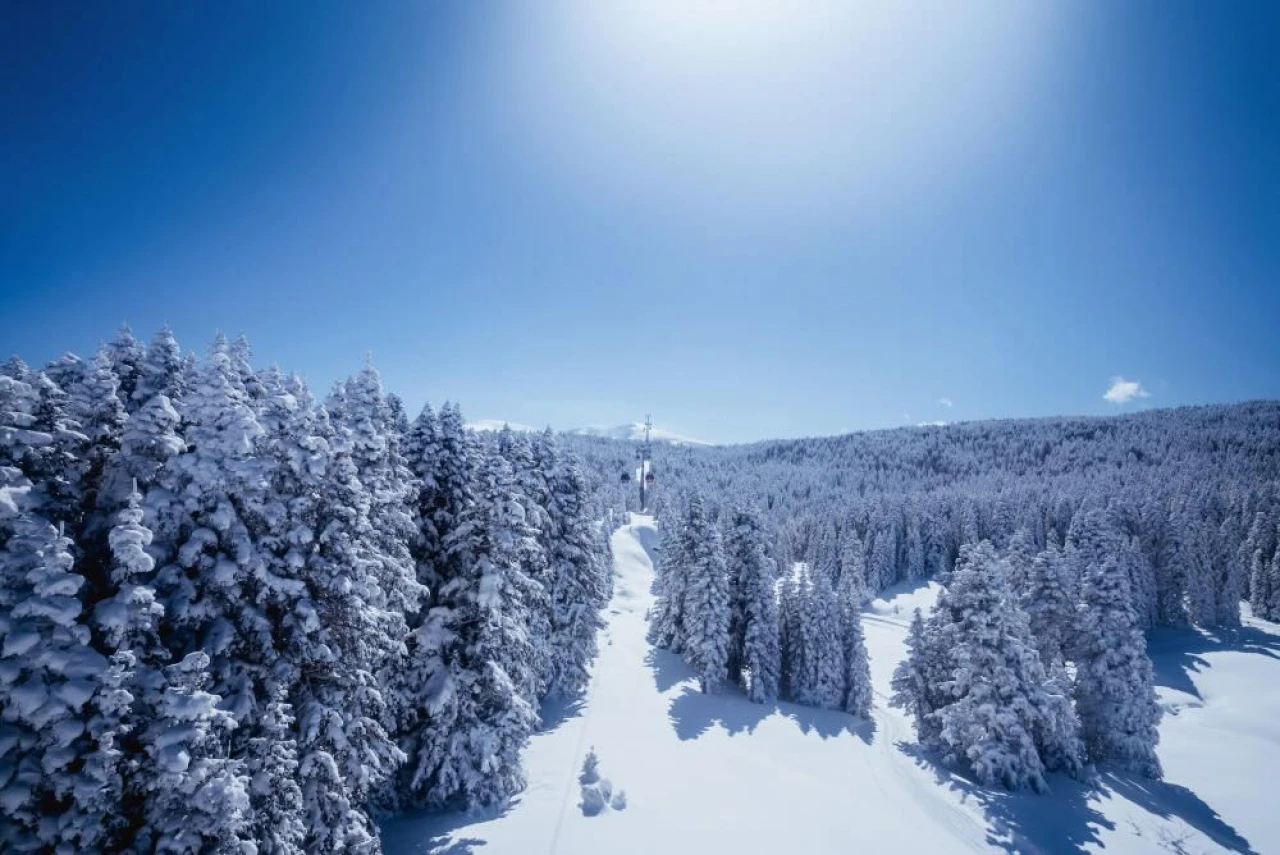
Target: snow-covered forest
1187	500
234	618
1057	543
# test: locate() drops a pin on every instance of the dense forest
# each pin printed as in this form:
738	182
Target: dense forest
1056	543
1192	495
235	619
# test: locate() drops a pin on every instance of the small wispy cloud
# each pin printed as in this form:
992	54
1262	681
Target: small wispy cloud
1123	391
946	402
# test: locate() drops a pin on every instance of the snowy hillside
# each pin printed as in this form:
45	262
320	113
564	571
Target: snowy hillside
635	431
716	773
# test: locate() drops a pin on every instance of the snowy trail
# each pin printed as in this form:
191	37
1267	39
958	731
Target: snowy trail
716	773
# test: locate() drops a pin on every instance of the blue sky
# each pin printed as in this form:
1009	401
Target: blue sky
754	221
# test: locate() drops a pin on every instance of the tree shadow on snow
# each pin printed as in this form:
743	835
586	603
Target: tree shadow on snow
1177	653
435	833
1023	823
668	669
692	714
1065	820
1167	801
829	723
556	711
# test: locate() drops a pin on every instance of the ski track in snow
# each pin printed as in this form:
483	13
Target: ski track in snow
717	773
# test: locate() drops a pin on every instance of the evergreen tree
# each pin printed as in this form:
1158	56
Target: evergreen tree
995	717
160	371
199	801
278	827
667	623
125	354
344	750
481	703
820	679
47	681
1049	605
580	581
1114	694
756	628
706	598
857	670
916	680
129	622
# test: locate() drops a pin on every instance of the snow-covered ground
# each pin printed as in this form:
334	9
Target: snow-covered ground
716	773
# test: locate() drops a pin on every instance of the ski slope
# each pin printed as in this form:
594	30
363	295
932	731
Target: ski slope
716	773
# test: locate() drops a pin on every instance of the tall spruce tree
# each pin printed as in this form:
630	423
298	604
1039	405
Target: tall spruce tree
1114	689
756	632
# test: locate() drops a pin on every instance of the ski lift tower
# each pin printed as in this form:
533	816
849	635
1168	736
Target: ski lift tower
644	454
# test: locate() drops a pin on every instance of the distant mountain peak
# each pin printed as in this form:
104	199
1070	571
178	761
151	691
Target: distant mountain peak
635	431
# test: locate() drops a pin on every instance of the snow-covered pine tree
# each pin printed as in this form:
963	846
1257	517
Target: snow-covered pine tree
758	652
1259	551
344	751
1049	604
706	598
531	482
1230	578
128	620
820	679
272	763
481	703
852	582
1018	555
916	680
366	426
790	640
125	354
1114	694
48	677
857	669
199	799
579	575
667	622
161	371
996	718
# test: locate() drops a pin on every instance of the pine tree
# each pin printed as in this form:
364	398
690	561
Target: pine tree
853	571
199	802
579	580
1114	694
857	670
278	827
160	371
129	622
125	354
994	715
344	750
481	703
1018	556
1049	605
756	626
820	679
706	598
916	679
667	623
47	681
